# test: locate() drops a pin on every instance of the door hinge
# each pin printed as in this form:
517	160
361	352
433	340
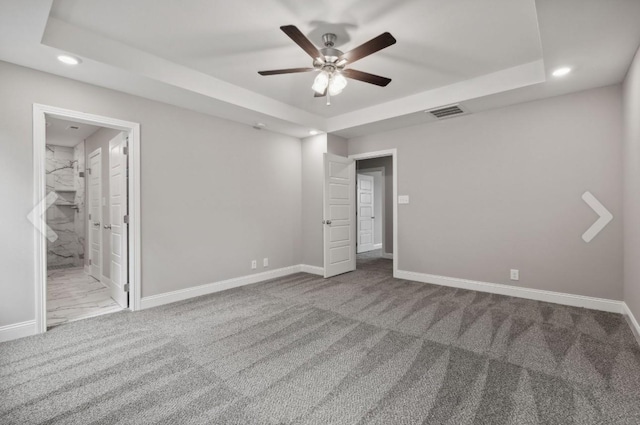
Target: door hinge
126	287
126	219
125	150
89	170
90	262
89	217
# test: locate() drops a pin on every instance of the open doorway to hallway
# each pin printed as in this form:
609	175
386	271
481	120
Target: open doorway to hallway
86	187
374	213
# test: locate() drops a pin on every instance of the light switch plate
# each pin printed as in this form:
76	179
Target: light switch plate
403	199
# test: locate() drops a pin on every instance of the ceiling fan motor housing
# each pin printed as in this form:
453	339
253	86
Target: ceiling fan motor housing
330	54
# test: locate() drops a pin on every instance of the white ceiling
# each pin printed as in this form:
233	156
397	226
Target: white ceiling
204	54
59	132
439	42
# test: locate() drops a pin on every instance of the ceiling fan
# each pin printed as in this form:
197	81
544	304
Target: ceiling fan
331	62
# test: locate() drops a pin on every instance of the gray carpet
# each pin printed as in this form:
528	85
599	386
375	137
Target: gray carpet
361	348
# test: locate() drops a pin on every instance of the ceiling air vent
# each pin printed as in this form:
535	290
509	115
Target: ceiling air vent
447	111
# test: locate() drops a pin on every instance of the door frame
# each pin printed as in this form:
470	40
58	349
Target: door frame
383	215
358	211
88	211
393	153
40	112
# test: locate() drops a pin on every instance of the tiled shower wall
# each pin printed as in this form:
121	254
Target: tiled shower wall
66	217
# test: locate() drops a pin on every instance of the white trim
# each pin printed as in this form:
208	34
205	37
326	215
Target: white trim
528	293
635	326
17	330
210	288
393	153
387	255
304	268
383	216
39	156
89	238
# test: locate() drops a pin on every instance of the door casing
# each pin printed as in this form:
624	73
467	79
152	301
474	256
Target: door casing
365	218
393	153
132	129
94	226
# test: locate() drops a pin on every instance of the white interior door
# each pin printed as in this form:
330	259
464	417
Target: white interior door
117	212
339	215
95	214
365	215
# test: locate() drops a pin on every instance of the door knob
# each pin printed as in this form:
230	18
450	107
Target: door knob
97	224
107	226
328	221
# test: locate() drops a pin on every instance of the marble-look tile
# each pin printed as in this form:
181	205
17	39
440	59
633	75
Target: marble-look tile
74	295
67	216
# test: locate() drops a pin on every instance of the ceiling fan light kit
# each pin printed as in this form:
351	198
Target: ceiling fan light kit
331	62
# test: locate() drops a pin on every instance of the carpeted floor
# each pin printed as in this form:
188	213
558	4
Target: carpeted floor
355	349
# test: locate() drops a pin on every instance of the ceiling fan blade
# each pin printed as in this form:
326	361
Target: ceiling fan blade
296	35
374	45
366	77
285	71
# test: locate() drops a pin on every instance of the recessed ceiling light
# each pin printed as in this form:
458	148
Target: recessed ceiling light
561	72
314	132
68	60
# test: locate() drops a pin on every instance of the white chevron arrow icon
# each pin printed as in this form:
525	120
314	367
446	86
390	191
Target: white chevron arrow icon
40	222
601	222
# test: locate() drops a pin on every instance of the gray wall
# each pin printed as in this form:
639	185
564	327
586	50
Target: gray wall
502	189
214	194
632	187
313	150
100	139
337	145
385	162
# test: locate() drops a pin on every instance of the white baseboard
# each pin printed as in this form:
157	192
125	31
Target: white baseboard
17	330
377	246
387	255
312	269
635	326
210	288
532	294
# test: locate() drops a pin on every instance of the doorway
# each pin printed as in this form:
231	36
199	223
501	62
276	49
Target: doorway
340	227
374	213
86	217
83	274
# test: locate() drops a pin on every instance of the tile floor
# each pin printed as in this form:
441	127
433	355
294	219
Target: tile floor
72	294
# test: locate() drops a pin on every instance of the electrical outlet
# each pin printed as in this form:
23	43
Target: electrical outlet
254	264
265	262
515	274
